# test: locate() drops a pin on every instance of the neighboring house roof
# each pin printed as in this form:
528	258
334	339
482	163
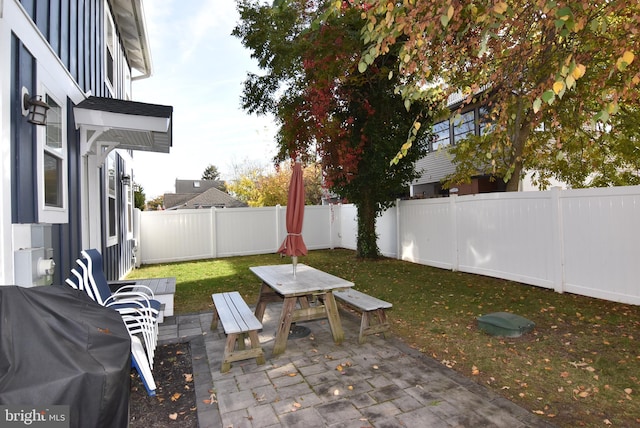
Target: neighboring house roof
209	198
129	18
197	186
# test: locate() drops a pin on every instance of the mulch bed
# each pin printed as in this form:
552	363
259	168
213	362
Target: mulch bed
175	402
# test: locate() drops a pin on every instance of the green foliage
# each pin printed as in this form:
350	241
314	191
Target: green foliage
353	121
139	197
156	203
211	173
567	65
260	188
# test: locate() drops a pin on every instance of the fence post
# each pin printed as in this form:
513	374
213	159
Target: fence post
214	240
398	245
557	240
278	207
453	217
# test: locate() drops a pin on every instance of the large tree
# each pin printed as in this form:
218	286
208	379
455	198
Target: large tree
353	121
559	76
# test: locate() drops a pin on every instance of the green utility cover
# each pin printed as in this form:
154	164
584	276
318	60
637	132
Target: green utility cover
505	324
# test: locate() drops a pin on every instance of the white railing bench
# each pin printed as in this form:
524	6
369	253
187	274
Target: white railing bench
368	306
238	321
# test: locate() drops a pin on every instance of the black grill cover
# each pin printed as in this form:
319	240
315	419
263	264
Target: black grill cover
58	347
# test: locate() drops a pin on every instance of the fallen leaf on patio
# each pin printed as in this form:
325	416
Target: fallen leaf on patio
297	405
188	377
293	374
350	387
176	396
336	392
375	367
339	368
173	416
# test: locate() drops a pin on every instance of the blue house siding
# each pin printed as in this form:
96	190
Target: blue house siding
67	238
74	29
56	49
23	138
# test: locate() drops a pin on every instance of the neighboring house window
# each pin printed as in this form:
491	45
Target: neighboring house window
463	125
475	121
441	135
52	166
112	206
110	38
484	121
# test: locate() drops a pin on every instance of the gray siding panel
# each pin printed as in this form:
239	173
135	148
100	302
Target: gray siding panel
435	166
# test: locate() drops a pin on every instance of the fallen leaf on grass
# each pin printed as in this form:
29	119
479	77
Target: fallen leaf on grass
628	390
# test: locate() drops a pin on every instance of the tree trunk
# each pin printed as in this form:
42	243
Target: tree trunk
519	139
367	246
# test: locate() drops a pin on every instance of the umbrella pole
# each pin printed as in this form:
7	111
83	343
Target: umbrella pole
294	259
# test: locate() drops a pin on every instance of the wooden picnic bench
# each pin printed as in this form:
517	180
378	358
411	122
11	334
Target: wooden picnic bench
238	321
368	306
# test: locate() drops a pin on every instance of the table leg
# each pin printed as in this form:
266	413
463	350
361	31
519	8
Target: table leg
261	306
288	306
334	317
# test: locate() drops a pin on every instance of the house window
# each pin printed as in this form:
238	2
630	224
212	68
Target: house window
110	47
52	165
441	135
53	160
484	121
111	194
463	125
472	122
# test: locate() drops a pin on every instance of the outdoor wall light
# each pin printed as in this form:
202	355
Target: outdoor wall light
36	109
125	179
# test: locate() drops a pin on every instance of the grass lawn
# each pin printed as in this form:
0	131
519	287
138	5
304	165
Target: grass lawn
579	367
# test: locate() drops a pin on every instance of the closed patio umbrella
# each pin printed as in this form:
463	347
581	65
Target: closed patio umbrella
293	245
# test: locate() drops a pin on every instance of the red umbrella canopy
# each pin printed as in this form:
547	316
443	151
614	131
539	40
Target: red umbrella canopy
293	244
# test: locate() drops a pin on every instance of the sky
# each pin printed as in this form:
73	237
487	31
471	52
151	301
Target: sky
198	68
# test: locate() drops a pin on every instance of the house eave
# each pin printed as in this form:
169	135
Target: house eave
130	20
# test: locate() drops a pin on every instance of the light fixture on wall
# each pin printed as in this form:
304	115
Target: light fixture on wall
36	109
125	179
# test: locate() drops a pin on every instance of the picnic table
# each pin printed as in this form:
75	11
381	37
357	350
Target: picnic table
279	285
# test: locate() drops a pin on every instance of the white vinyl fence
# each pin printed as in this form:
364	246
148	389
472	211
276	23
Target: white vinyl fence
584	241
